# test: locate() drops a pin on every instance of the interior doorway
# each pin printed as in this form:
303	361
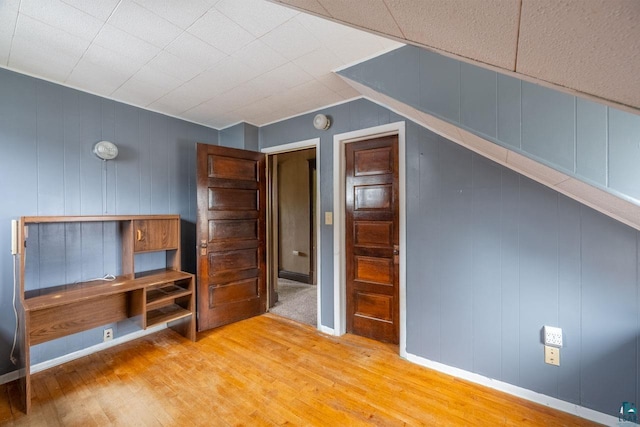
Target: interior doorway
340	141
293	229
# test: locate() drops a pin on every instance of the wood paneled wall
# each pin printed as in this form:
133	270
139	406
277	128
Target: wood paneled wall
47	167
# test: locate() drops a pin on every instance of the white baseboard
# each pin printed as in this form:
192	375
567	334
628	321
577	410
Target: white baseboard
95	348
14	375
523	393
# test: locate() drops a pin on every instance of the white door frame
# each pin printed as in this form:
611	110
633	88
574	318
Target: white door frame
301	145
339	259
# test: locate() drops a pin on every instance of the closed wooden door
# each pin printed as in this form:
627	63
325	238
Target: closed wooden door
372	238
230	235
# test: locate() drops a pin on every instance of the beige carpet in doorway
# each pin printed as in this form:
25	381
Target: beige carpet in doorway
297	301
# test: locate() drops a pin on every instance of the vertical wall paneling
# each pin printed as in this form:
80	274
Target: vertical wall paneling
18	125
49	132
624	152
485	266
439	85
414	294
478	99
363	115
72	157
52	259
145	153
538	282
325	175
422	216
173	157
456	328
91	168
569	298
251	137
109	133
182	169
32	269
591	136
609	312
159	164
509	111
548	125
233	136
406	75
127	164
510	277
560	130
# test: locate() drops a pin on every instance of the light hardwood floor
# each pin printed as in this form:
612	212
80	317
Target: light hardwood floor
262	371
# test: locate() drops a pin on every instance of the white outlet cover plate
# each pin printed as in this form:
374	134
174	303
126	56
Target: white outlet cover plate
552	336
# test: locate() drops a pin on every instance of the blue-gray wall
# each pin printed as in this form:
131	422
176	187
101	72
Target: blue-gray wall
47	132
355	115
593	142
492	257
242	135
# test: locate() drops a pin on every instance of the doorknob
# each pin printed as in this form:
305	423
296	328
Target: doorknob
396	250
203	243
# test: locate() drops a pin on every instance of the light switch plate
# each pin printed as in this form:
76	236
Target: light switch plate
328	218
552	336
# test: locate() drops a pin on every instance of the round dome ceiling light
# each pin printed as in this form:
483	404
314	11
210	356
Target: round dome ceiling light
321	122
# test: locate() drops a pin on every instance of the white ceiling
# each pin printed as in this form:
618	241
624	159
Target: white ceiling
215	62
589	46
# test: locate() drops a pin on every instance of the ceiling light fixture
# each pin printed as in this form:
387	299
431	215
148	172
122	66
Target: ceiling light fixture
321	122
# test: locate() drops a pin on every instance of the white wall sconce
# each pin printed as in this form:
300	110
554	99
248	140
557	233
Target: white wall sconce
105	150
321	122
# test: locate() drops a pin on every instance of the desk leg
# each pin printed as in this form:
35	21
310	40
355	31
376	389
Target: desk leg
24	362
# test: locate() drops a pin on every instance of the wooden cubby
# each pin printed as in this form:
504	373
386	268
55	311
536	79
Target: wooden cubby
151	297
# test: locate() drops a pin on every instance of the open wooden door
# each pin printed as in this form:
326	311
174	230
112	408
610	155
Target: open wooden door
230	235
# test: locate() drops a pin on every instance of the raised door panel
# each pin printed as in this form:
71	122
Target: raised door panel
372	238
231	220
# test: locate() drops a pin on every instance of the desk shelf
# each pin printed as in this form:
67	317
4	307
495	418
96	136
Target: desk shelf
168	313
151	298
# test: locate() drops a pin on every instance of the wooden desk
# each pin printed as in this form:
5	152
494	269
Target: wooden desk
151	298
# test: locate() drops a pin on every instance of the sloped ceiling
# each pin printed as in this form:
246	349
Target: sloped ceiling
588	46
215	62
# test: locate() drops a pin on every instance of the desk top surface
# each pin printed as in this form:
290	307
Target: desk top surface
39	299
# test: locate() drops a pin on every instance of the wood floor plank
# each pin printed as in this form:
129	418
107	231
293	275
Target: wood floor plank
264	371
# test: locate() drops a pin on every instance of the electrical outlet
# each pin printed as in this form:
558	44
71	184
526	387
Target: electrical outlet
552	336
107	334
551	355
